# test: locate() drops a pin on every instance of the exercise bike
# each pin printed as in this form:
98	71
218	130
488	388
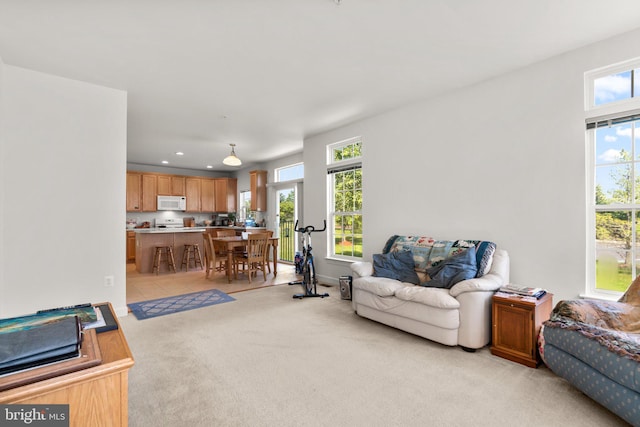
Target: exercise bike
306	266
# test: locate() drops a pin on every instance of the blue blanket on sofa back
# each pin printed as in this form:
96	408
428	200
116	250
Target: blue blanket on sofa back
428	252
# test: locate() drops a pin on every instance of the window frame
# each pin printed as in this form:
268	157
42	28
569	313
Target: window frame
611	107
333	167
277	171
594	114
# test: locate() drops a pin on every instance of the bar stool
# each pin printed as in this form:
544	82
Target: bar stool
191	253
168	259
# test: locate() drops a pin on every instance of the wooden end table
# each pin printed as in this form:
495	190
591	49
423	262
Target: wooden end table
516	323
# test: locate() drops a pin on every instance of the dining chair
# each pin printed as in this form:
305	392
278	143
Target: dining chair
209	256
236	250
268	251
220	251
254	257
212	256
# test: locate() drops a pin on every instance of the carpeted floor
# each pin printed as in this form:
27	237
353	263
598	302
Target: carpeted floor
270	360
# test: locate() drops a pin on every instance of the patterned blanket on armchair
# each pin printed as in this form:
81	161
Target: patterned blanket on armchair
595	345
615	325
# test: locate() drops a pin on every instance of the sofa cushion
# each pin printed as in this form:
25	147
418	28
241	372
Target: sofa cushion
433	297
395	265
453	270
380	286
484	253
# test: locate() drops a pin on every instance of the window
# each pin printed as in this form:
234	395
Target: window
289	173
613	84
245	206
617	204
614	184
345	198
614	87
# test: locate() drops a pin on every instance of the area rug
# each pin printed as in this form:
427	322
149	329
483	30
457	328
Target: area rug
163	306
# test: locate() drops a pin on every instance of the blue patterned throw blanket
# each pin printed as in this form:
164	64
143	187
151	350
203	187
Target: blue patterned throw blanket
428	252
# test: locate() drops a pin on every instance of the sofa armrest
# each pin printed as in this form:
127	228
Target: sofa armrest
362	268
488	283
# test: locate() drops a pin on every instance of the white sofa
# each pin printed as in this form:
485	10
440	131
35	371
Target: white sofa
460	315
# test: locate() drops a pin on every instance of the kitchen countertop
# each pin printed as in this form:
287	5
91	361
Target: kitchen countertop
190	229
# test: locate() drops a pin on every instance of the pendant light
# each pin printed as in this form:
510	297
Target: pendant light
232	159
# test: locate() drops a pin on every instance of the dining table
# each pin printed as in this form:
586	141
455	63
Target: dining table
233	242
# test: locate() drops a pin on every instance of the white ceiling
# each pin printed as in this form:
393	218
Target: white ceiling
265	74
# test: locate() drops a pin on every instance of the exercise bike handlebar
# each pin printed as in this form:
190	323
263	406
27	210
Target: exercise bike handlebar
309	228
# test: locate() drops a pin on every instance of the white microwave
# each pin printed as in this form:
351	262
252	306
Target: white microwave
172	203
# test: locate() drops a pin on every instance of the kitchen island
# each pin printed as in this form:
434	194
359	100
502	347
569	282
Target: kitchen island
148	238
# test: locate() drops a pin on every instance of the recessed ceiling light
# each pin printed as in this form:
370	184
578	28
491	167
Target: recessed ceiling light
209	167
165	162
179	153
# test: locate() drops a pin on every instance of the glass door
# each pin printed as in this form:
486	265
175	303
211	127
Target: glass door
287	211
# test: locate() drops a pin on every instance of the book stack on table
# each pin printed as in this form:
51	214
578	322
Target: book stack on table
523	291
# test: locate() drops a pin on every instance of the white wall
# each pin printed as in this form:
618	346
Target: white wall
503	160
63	146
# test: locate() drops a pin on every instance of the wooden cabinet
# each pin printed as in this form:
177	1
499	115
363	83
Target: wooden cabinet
178	186
218	195
193	188
171	185
141	192
225	194
258	180
97	396
164	185
149	193
516	323
134	192
203	194
131	246
207	195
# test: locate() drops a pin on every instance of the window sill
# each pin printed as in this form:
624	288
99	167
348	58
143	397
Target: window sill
601	296
341	260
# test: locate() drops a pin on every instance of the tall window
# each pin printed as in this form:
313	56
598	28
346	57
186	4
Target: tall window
613	136
344	168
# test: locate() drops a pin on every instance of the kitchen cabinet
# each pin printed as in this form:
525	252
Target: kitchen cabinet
178	186
149	193
203	194
164	185
258	180
141	192
170	185
193	188
225	194
134	192
207	195
131	246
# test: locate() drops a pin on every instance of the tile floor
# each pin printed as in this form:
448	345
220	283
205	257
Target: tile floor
142	287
